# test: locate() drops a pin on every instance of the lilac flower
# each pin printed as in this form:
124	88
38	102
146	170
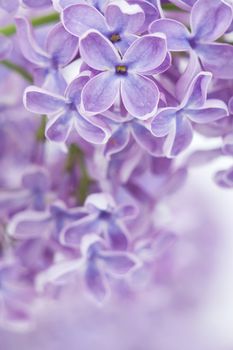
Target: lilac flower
12	5
206	27
60	49
127	128
119	23
64	112
99	265
126	76
176	121
33	193
103	217
17	298
224	178
5	47
184	4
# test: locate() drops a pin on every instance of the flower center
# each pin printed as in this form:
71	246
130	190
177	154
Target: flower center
115	38
121	70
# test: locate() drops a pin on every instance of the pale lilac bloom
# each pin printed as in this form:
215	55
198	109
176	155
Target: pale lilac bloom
33	193
105	218
64	112
60	49
127	75
119	23
12	5
176	122
206	28
98	266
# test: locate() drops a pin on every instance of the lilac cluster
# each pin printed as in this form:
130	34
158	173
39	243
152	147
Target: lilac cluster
100	101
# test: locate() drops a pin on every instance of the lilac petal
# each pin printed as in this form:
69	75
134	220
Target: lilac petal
191	70
230	105
9	6
72	234
151	11
153	145
5	47
117	142
27	42
78	19
210	19
179	137
96	283
197	91
61	45
74	89
165	65
140	96
119	263
36	178
138	56
217	58
98	52
117	235
99	94
41	101
37	3
124	17
127	212
96	132
177	34
102	201
162	122
29	224
211	111
59	127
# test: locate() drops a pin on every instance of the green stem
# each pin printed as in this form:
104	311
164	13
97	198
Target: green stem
36	22
76	157
40	134
170	7
18	69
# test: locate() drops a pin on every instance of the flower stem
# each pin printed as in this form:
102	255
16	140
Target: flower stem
36	22
18	69
76	157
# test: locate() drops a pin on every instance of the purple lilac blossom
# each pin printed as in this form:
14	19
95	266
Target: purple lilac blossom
116	174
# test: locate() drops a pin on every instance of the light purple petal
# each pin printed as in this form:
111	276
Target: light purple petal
184	4
72	234
27	42
117	235
96	283
210	19
61	45
78	19
151	12
211	111
153	145
29	224
37	3
117	142
124	17
197	91
177	34
93	130
140	96
138	56
217	58
100	92
9	5
179	137
41	101
59	127
119	263
230	105
162	122
5	47
98	52
74	89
